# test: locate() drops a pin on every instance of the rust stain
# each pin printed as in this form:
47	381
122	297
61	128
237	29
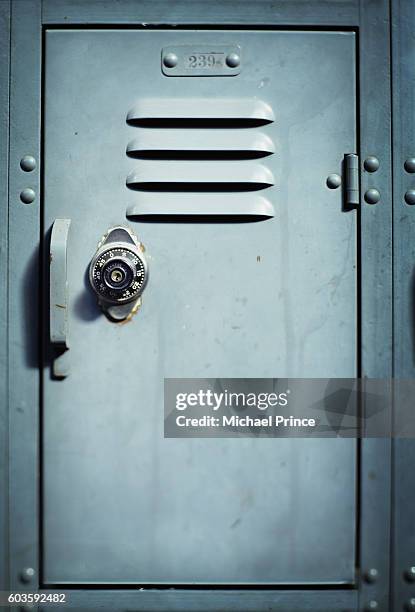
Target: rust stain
132	313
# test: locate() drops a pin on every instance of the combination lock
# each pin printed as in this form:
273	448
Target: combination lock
118	273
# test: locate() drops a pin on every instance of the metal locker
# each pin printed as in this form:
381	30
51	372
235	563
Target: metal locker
196	190
234	292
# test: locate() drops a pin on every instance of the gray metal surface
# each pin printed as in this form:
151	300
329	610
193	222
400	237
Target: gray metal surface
404	215
124	504
375	292
271	13
403	533
4	417
24	315
208	600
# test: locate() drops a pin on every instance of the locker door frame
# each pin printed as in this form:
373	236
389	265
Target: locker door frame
19	426
403	459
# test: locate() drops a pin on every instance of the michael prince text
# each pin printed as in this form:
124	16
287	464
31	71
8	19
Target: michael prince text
216	401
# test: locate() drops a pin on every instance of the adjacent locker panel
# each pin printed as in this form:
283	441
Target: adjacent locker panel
227	297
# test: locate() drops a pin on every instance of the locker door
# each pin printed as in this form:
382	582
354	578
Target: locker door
252	273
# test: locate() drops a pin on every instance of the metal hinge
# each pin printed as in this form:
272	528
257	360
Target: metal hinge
351	180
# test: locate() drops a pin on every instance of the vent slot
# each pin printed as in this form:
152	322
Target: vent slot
196	187
196	174
243	207
198	124
189	176
198	145
200	113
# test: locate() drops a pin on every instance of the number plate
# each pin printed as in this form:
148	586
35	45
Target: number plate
212	60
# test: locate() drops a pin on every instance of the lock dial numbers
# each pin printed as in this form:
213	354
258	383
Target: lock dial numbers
118	275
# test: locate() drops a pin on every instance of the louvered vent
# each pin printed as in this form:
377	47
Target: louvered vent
200	157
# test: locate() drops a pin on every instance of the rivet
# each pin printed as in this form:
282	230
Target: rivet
371	163
170	60
371	605
233	60
371	575
27	196
372	196
409	165
410	574
28	163
27	574
410	605
410	197
333	181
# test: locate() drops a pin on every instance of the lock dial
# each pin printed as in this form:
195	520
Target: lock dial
118	272
118	275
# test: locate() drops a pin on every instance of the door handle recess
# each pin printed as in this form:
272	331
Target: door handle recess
58	295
